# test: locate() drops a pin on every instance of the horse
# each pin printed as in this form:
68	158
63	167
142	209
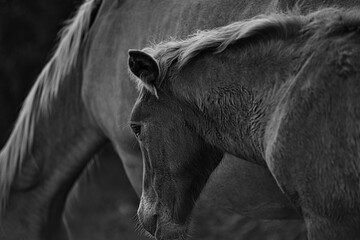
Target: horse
81	103
278	90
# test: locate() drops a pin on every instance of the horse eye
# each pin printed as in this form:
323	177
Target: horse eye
136	128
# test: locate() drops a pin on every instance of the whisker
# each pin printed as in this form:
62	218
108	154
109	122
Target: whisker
139	228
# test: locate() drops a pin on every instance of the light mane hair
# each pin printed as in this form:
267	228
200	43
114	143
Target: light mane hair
175	54
178	53
40	97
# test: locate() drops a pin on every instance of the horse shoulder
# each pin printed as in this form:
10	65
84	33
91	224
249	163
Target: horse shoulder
312	144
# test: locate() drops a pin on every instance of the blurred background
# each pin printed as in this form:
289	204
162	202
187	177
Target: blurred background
106	204
28	34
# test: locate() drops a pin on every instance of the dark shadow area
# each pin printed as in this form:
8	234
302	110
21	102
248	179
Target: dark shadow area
28	34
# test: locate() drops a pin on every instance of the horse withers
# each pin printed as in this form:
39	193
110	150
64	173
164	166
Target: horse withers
280	90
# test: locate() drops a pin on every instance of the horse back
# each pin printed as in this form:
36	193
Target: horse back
314	148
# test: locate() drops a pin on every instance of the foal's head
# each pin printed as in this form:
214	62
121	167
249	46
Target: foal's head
177	159
177	162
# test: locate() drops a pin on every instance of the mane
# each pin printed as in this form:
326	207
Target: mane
41	95
176	54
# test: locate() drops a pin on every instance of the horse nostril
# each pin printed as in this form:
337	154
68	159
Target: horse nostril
150	224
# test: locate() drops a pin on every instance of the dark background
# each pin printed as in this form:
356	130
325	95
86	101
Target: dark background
28	34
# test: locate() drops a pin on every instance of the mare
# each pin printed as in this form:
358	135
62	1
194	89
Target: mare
81	103
280	90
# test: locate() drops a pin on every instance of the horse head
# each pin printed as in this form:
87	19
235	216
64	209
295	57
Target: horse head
175	168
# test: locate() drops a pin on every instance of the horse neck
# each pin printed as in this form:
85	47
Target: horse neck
62	139
238	90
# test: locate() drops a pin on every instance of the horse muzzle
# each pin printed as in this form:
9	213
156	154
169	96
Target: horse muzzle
169	231
159	228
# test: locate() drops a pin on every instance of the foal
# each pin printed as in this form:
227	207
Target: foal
278	90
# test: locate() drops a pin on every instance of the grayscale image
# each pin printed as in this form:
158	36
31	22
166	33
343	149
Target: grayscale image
180	120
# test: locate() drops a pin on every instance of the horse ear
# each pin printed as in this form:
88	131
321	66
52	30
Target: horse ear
143	66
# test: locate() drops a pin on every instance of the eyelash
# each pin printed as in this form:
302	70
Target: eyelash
136	128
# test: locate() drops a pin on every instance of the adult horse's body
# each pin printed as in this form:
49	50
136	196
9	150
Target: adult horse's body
82	100
282	90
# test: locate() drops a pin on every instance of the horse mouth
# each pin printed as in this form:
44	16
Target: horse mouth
171	231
